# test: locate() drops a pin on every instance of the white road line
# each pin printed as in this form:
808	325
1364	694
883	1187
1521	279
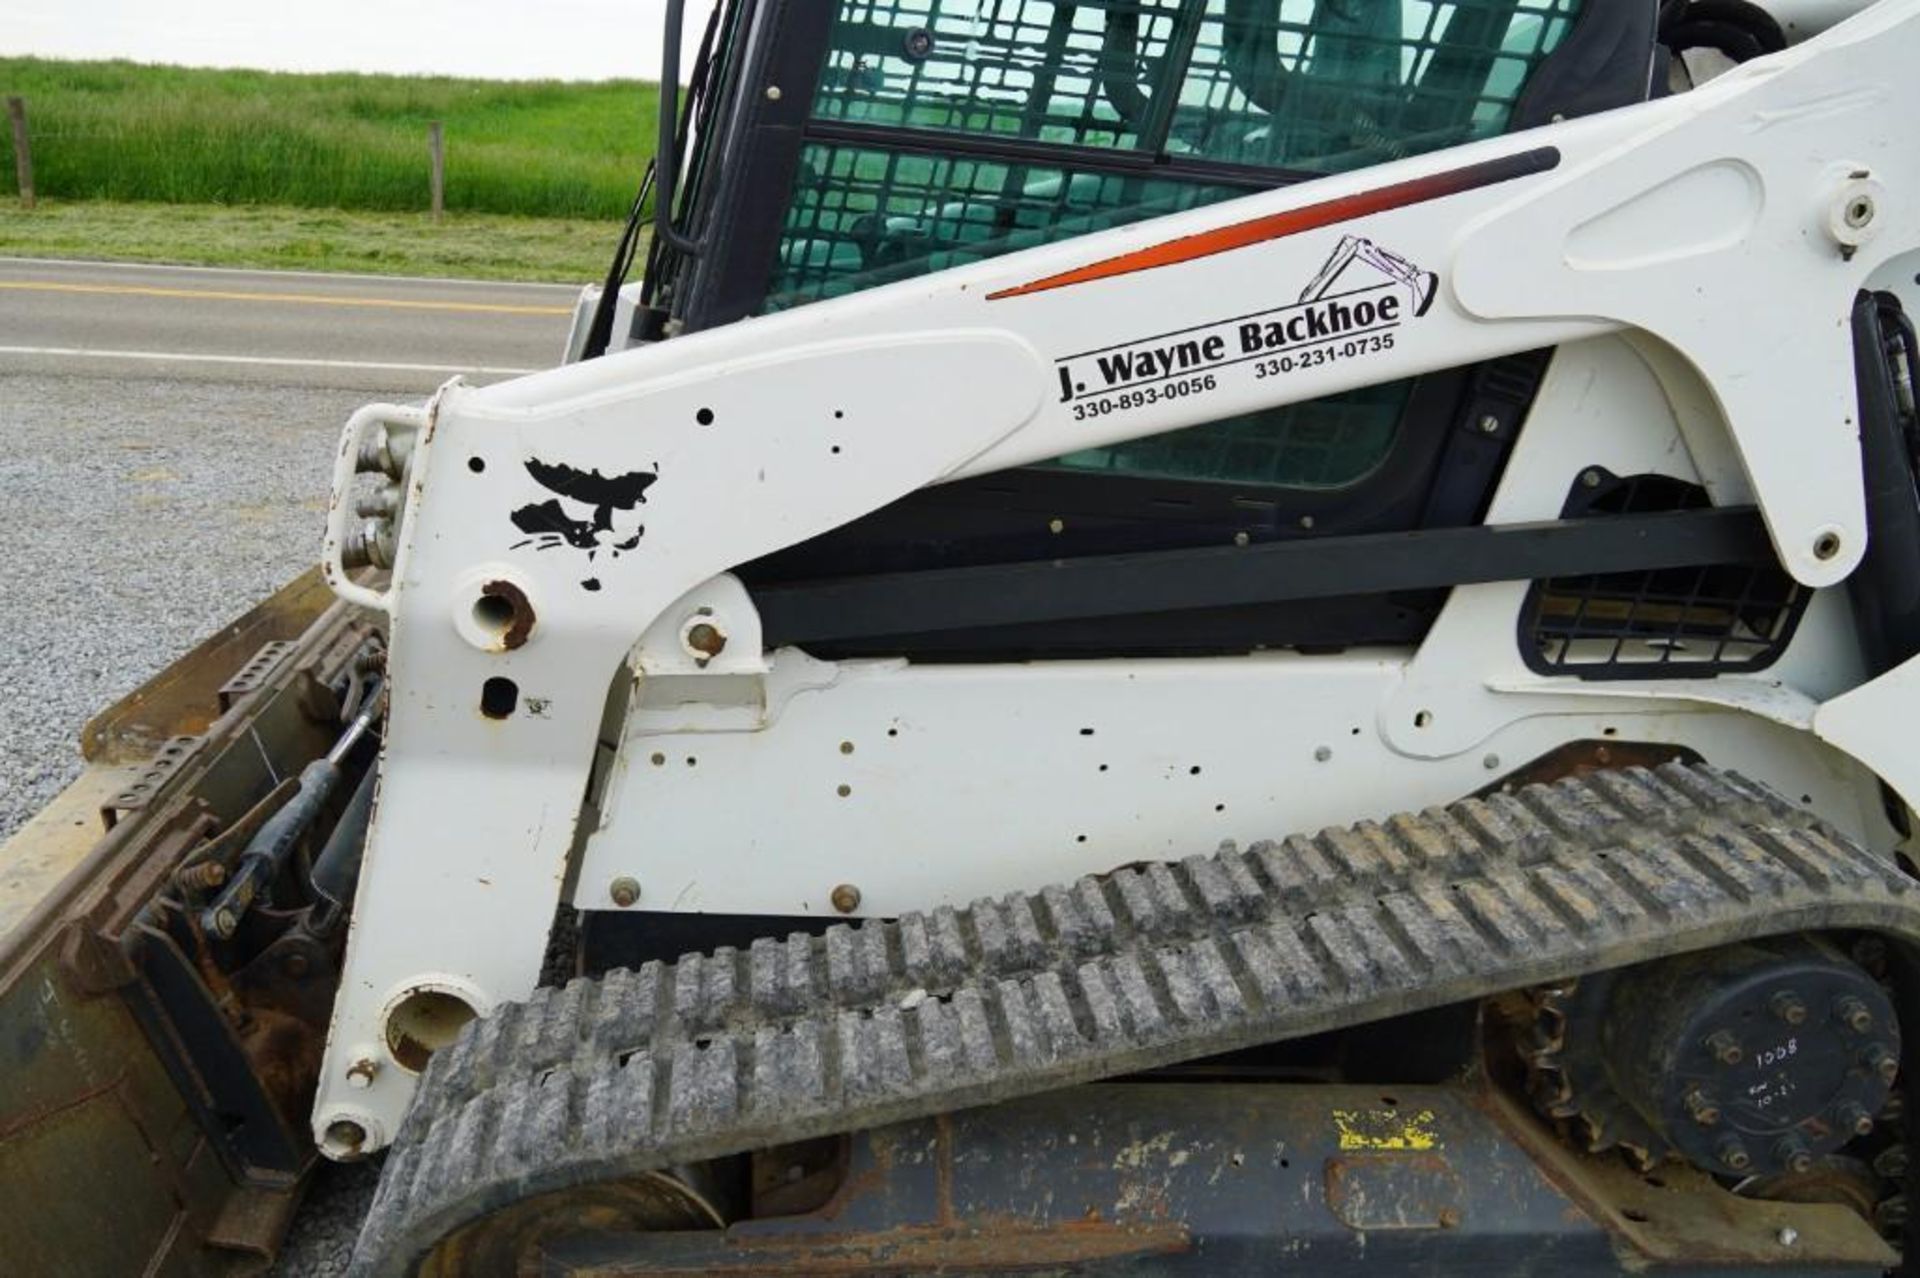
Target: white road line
167	357
101	264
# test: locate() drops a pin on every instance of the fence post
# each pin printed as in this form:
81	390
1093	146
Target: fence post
22	154
437	152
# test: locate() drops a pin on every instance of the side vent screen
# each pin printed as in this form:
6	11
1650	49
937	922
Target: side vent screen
1671	623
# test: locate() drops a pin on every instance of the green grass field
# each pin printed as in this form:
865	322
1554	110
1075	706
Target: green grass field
126	132
490	246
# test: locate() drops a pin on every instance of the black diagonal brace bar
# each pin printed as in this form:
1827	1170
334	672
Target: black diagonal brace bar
1233	576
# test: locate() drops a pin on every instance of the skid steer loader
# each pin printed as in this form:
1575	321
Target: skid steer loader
1164	636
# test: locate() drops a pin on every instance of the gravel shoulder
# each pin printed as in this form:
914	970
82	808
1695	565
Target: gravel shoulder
146	514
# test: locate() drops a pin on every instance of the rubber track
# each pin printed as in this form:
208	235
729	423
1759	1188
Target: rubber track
884	1021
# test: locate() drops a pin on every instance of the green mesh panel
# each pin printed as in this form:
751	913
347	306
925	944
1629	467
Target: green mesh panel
1294	85
862	216
1324	443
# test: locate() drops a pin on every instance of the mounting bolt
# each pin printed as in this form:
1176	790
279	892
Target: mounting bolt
1853	1014
1733	1155
624	891
1853	213
1853	1117
1589	479
1489	425
1788	1236
1787	1006
1881	1060
1723	1047
1702	1109
1792	1153
202	877
706	639
846	898
1322	753
360	1073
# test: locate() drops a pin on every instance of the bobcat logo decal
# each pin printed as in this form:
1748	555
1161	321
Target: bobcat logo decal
582	514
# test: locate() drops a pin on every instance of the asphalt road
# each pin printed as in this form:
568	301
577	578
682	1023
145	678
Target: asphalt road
169	436
273	328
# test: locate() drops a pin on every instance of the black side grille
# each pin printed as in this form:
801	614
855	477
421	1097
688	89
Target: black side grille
1671	623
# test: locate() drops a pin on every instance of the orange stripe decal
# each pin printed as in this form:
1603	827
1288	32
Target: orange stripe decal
1313	217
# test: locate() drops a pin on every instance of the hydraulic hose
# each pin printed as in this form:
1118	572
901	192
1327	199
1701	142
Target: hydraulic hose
336	871
268	850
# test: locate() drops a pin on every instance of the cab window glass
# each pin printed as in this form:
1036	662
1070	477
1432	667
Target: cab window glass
1291	86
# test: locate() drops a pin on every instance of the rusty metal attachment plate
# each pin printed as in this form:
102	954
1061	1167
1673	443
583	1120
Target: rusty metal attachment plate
890	1020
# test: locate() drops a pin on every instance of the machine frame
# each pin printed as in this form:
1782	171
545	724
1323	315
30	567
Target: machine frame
1678	225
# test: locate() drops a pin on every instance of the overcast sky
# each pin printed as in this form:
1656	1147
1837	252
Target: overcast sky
503	39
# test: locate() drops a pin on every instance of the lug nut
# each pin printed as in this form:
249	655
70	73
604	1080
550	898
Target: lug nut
1853	1117
1787	1006
1792	1153
1880	1059
1733	1155
1723	1047
1854	1014
1703	1110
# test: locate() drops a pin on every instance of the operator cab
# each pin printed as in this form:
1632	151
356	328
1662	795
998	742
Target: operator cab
829	148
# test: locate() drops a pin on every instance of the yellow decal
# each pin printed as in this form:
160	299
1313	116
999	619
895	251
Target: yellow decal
1385	1129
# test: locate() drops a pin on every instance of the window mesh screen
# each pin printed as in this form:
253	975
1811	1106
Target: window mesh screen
863	216
1288	85
1708	619
1326	443
1322	85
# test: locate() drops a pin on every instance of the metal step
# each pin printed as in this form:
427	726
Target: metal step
871	1024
